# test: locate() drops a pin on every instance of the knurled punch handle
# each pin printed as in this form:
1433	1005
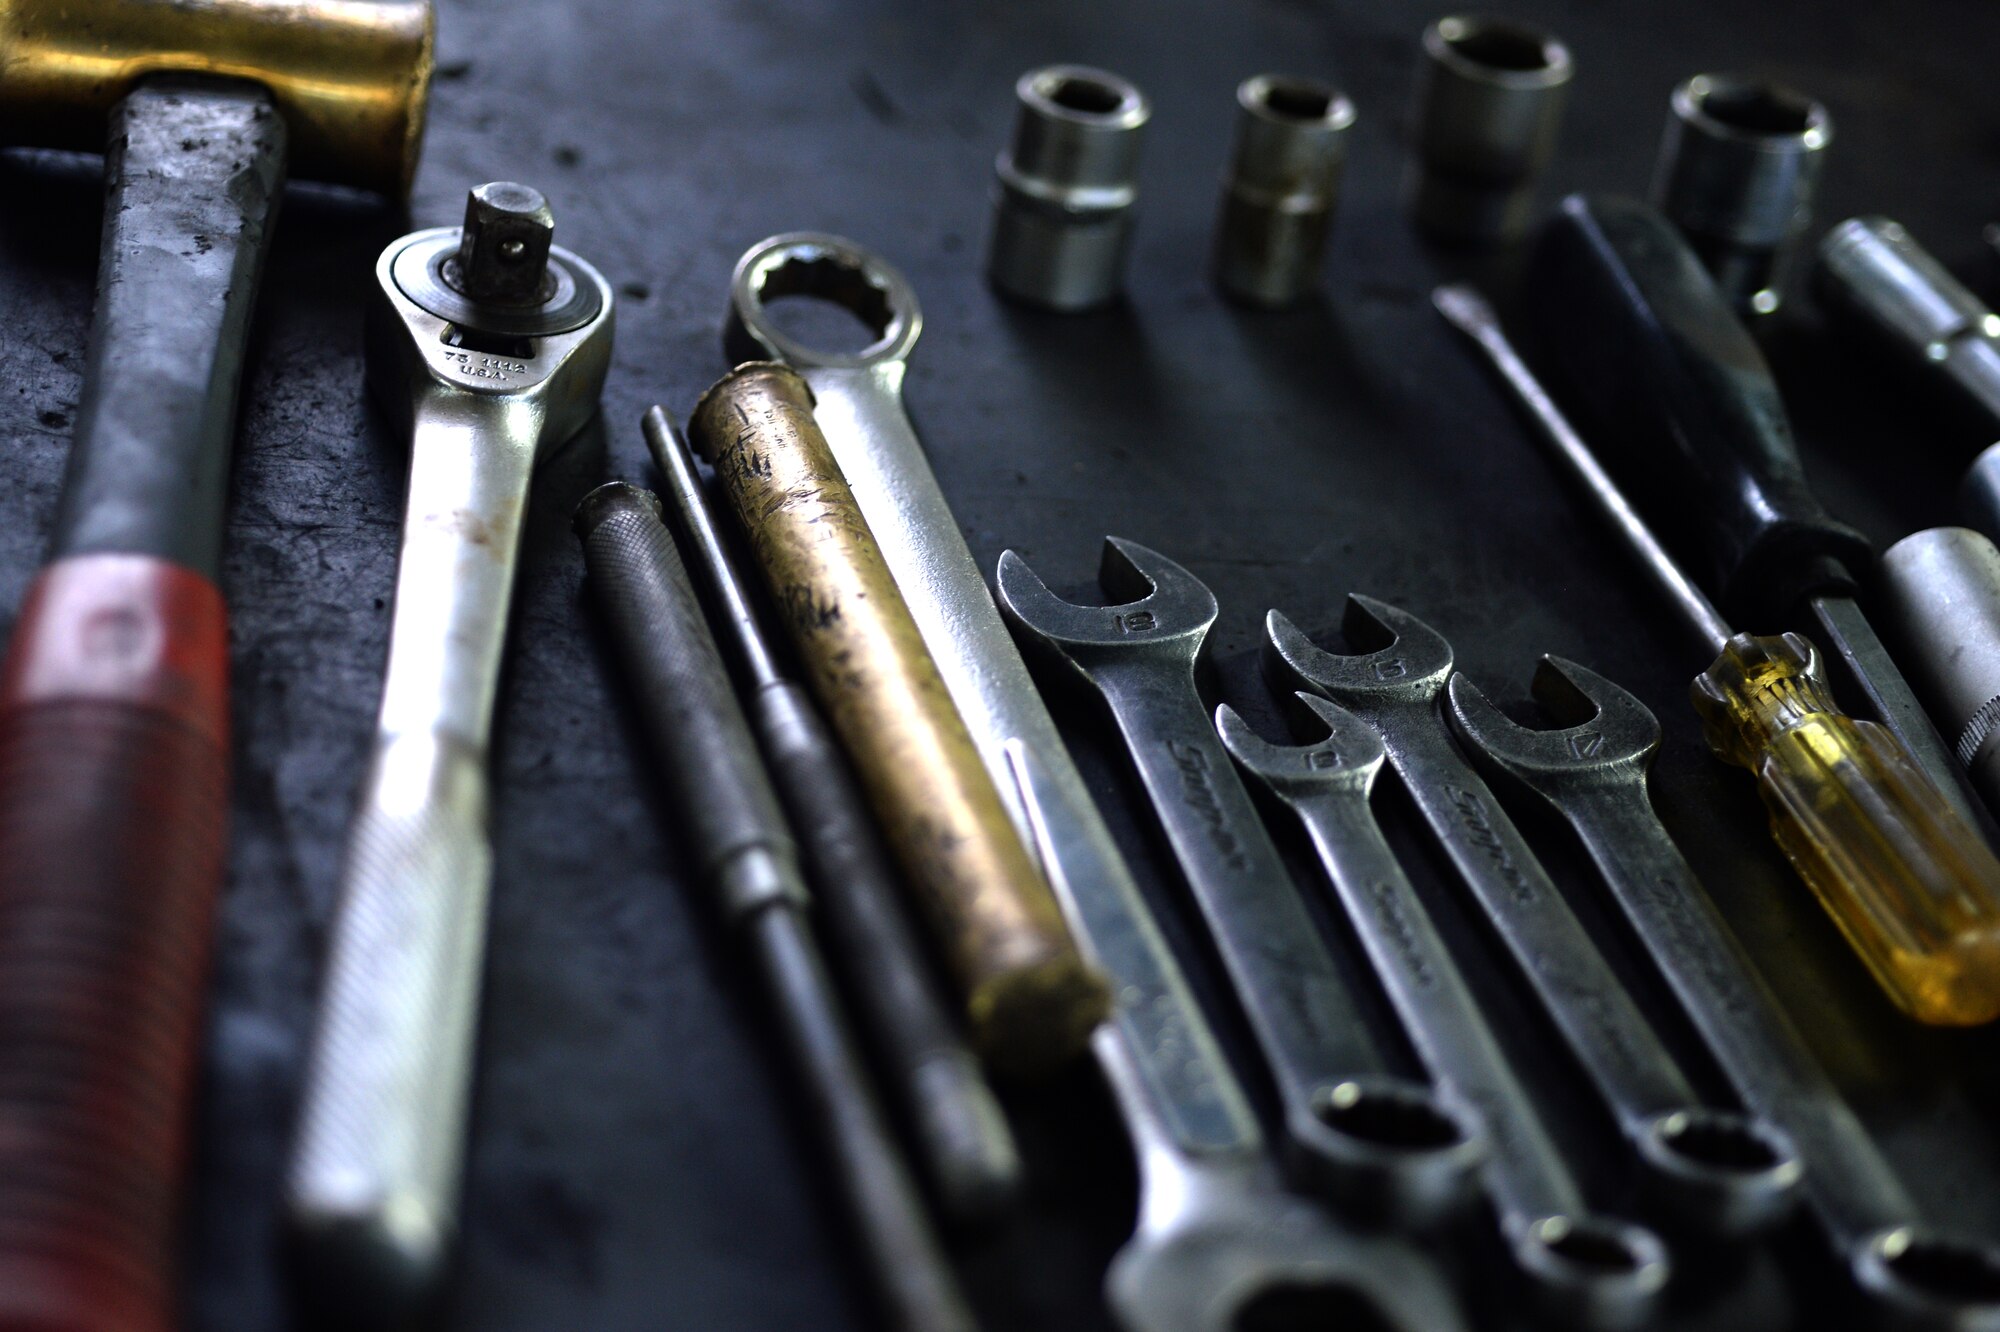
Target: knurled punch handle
1847	1183
113	803
374	1176
1916	892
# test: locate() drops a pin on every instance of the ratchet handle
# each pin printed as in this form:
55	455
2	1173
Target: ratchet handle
1649	344
114	795
1916	892
374	1177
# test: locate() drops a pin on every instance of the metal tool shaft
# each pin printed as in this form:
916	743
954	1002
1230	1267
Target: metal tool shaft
964	1139
1030	999
745	863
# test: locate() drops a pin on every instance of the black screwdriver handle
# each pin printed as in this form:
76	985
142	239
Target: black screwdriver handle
1685	403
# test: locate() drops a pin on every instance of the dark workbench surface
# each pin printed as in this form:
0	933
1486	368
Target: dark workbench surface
634	1164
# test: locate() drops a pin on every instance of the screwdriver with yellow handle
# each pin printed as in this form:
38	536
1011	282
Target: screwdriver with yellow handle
1909	882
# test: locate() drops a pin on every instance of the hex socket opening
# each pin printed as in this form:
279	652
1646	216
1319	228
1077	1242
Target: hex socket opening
1295	99
1755	110
1406	1119
1504	48
1083	93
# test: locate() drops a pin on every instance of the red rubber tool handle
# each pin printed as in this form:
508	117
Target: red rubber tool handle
113	800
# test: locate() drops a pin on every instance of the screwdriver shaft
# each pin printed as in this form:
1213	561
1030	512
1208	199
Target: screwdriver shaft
1846	631
1473	315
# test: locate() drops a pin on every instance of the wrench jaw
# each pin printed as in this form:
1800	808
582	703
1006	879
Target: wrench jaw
1165	610
1718	1173
1605	736
1921	1280
1590	1273
1402	661
1347	760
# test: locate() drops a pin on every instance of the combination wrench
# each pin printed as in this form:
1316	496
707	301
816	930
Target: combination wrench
1386	1146
1218	1241
1711	1170
490	345
1583	1271
1593	771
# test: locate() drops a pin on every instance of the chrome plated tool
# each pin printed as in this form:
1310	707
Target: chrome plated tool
1382	1145
490	345
1592	769
1582	1270
1708	1168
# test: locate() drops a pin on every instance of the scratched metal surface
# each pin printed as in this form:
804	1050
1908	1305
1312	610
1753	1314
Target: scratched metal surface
635	1162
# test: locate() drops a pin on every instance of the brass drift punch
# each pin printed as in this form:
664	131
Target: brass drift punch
1031	999
1914	889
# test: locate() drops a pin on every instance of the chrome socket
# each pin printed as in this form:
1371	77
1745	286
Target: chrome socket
1736	174
1283	183
1490	97
1941	598
1062	208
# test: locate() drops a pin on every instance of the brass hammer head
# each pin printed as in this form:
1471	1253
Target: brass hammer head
350	77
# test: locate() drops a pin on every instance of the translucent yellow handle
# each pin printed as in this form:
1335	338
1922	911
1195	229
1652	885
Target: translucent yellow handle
1916	891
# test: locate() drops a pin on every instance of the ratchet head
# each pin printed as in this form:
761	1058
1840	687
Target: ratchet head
1921	1280
1398	660
1158	608
491	315
1347	759
1603	734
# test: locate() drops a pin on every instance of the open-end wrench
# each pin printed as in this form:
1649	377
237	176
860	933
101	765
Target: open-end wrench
1384	1144
1219	1245
1583	1270
1218	1241
1712	1170
1593	771
491	346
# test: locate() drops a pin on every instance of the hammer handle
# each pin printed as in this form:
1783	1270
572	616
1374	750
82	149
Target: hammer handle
113	807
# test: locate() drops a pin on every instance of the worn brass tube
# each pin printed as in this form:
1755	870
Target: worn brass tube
1030	998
